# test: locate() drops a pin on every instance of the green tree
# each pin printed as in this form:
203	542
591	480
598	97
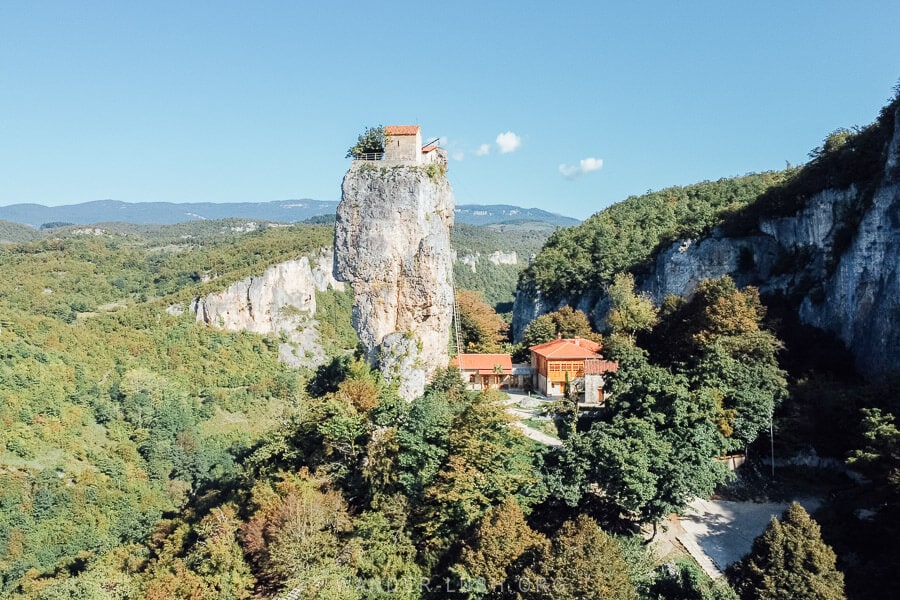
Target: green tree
651	453
717	339
481	328
683	580
628	457
502	537
373	139
385	557
581	562
540	330
789	561
629	312
879	458
566	322
572	323
742	374
486	461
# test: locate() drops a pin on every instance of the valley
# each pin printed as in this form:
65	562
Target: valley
187	410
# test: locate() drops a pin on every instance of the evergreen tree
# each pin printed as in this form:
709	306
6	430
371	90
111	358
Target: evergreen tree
789	561
581	562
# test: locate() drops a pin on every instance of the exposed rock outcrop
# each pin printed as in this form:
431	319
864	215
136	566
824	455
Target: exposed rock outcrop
470	260
849	288
281	301
498	257
842	272
392	245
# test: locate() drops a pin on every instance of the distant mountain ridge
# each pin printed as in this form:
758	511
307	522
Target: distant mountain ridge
285	211
489	214
164	213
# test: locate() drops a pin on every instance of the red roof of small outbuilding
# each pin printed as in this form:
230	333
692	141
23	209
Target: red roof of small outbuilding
599	366
483	363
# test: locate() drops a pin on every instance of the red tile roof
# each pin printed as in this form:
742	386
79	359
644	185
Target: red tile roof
429	148
401	129
567	348
598	366
483	363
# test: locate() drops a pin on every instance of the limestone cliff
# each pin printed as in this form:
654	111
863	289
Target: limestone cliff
836	258
392	245
844	275
280	301
496	258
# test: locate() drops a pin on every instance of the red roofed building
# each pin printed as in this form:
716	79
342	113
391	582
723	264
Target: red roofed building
490	371
402	143
399	130
403	146
568	359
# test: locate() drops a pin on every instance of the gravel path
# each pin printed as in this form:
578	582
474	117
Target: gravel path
512	407
534	434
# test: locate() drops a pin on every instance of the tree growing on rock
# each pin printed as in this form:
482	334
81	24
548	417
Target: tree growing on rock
372	140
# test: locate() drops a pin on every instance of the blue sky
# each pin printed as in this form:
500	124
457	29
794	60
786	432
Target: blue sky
568	106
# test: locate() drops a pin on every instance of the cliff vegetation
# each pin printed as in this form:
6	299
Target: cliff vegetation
815	248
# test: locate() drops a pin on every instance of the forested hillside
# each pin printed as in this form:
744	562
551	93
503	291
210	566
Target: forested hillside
115	412
475	248
819	244
627	235
146	455
14	232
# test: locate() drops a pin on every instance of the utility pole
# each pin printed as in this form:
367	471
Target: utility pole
772	442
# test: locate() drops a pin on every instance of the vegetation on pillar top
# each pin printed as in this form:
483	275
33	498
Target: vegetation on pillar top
372	140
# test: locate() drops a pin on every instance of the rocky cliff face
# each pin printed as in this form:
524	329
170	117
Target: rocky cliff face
281	301
392	245
861	299
497	258
849	288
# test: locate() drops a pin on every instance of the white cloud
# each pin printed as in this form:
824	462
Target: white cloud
568	172
458	156
483	150
508	142
585	165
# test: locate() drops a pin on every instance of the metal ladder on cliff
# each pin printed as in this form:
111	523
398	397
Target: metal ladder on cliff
456	334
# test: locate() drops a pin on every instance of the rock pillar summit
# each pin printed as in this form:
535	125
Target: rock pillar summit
392	245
